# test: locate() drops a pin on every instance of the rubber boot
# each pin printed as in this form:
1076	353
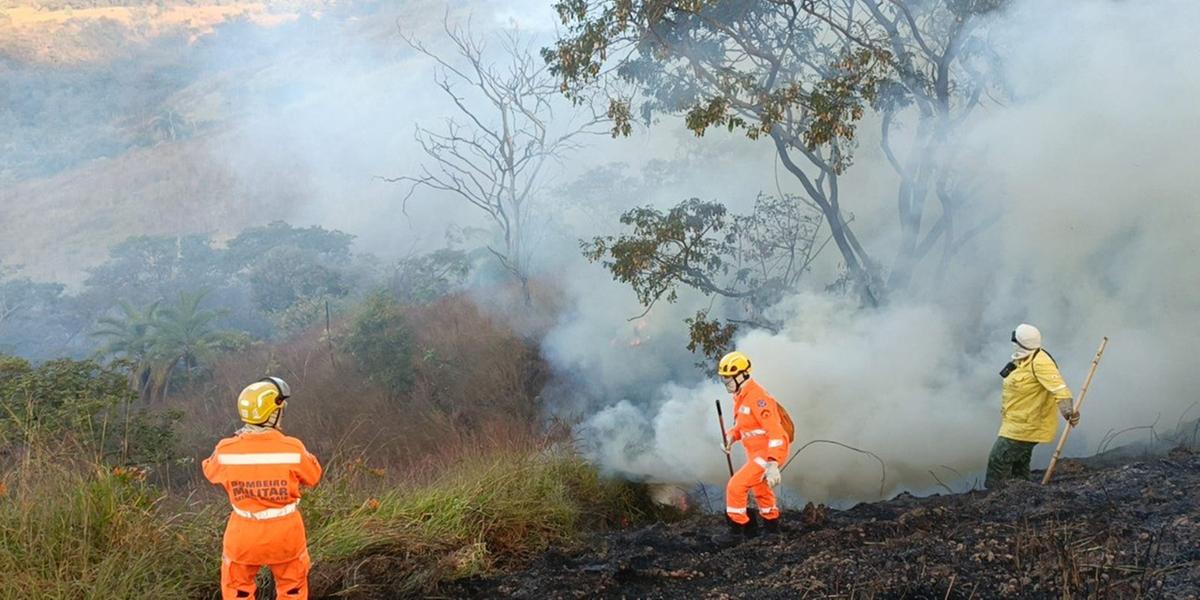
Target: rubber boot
770	527
733	535
750	530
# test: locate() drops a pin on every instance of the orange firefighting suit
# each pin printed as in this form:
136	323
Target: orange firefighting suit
758	426
262	472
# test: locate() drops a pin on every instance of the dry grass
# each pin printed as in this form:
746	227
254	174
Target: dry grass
64	35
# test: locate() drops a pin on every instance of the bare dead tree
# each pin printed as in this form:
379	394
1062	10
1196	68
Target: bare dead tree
493	154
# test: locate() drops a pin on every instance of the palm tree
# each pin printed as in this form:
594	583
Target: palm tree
131	337
185	338
160	341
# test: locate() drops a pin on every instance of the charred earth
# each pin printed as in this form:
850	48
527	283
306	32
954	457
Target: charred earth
1128	531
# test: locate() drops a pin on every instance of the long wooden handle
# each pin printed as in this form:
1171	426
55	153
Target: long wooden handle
724	440
1062	441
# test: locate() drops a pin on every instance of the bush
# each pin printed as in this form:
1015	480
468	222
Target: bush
85	402
381	341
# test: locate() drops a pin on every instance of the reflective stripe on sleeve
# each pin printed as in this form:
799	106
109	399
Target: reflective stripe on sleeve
775	444
276	458
745	410
754	432
762	462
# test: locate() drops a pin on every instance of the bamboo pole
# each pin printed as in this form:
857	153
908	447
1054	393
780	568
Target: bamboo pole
1062	441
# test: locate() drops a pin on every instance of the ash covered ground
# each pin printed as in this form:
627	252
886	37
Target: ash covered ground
1127	531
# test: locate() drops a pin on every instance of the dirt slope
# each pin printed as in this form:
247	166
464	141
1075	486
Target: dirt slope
1122	532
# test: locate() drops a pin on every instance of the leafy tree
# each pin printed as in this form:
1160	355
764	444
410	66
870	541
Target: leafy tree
285	275
382	341
428	277
753	260
145	269
130	337
243	251
56	397
34	316
803	75
159	342
20	297
184	339
291	272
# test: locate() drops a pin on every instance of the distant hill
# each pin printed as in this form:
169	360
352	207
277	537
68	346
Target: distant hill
118	114
59	225
74	31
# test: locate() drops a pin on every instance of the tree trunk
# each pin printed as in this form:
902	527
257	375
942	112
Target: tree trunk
839	229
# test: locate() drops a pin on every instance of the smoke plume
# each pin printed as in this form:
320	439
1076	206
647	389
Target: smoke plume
1088	169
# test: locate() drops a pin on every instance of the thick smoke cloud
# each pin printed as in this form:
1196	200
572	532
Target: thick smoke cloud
1087	163
1089	168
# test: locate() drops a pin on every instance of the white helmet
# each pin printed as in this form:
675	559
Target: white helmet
1027	337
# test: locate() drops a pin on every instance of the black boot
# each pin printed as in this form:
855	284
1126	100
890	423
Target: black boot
771	526
733	535
750	530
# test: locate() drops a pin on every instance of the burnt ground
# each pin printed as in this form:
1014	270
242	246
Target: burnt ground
1130	531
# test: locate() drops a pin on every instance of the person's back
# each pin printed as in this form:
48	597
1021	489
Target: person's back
262	471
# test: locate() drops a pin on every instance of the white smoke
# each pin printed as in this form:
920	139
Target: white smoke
1090	166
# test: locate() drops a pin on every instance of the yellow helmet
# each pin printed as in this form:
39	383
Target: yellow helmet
732	364
262	399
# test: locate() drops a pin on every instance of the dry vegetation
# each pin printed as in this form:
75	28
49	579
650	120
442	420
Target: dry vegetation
81	31
453	476
472	379
59	225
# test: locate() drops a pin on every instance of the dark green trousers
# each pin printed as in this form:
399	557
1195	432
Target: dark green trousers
1009	459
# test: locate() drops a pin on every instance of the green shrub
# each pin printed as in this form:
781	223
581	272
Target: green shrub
381	341
83	401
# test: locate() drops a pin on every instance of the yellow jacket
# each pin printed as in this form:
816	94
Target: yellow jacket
1029	400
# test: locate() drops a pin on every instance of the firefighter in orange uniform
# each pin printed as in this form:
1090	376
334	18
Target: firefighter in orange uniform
262	471
759	426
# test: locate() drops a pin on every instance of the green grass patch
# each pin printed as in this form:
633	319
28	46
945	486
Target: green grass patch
488	513
78	531
85	532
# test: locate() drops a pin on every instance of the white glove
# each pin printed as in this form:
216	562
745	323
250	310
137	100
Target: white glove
772	474
726	447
